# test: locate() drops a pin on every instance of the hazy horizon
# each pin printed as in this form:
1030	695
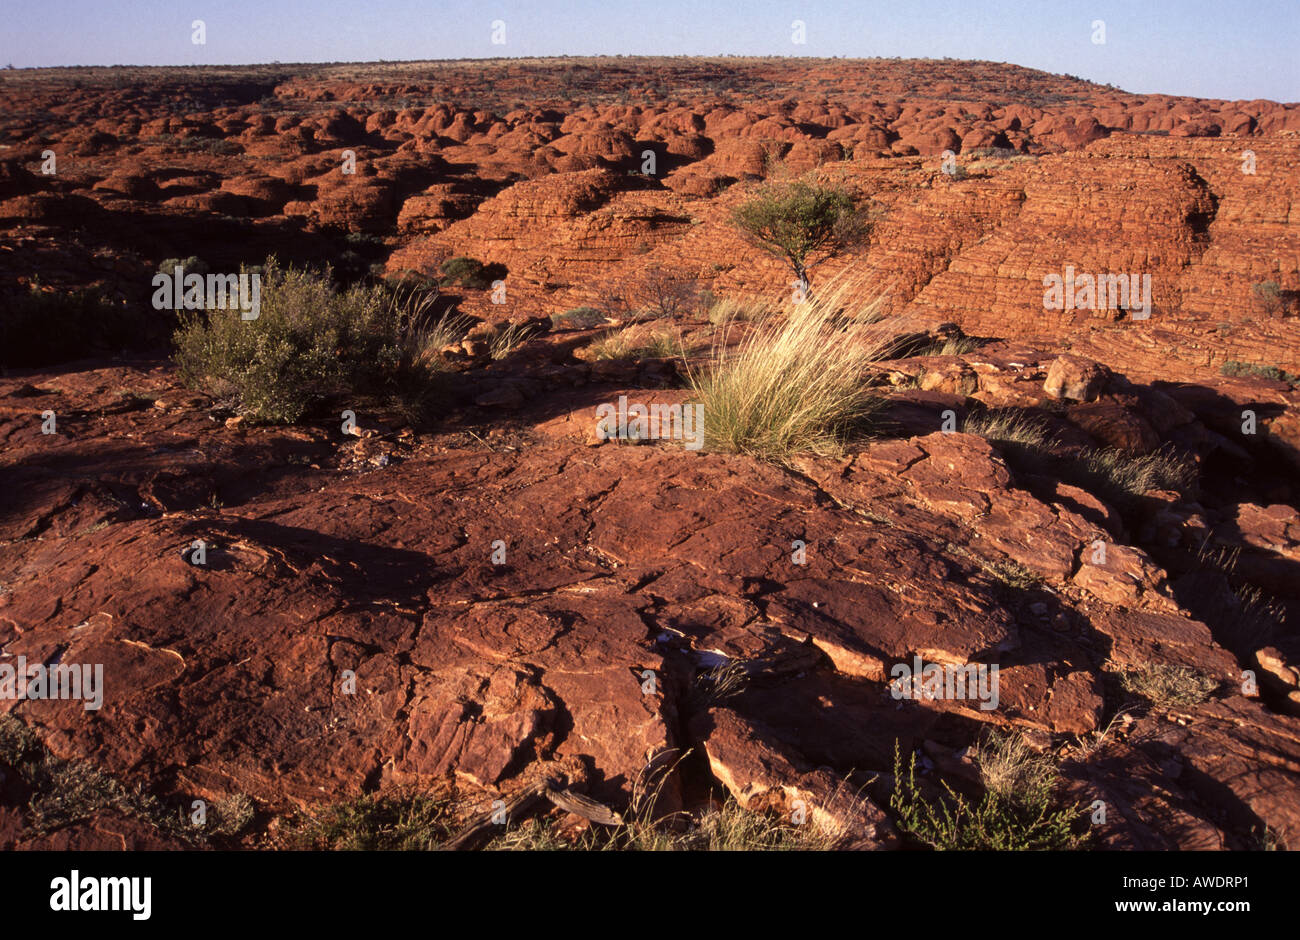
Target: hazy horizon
1195	48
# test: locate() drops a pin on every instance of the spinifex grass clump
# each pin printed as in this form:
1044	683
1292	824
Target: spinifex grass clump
1124	476
1008	426
635	343
794	383
310	343
1168	685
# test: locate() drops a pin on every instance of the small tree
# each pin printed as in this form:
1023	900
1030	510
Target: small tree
804	223
655	293
1270	295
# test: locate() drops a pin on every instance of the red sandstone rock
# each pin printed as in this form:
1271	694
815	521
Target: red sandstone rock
627	564
1074	378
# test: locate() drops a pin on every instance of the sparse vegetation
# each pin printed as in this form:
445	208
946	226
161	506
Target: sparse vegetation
1008	426
1011	574
1021	815
399	821
1012	770
655	293
470	273
716	685
65	792
40	327
410	820
1234	368
725	827
508	339
728	310
952	346
579	318
1122	475
1166	685
1116	475
1270	296
634	343
1242	617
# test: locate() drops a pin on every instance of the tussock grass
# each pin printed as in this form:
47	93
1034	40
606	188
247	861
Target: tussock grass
1009	426
1243	618
579	318
1132	476
952	346
717	685
1012	770
1115	475
793	383
422	339
726	827
729	310
636	343
1165	685
509	339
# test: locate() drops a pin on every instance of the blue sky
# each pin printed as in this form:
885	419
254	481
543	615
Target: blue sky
1239	49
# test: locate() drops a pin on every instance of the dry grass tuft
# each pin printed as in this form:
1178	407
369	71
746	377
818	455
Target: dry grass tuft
1168	686
793	383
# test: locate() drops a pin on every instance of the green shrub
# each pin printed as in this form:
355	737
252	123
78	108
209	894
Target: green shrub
1269	293
1012	817
308	344
1234	368
470	273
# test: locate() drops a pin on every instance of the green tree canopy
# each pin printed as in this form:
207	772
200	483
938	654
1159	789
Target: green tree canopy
805	223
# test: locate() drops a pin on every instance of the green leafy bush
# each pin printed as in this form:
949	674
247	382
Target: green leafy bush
1016	818
308	344
801	222
470	273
